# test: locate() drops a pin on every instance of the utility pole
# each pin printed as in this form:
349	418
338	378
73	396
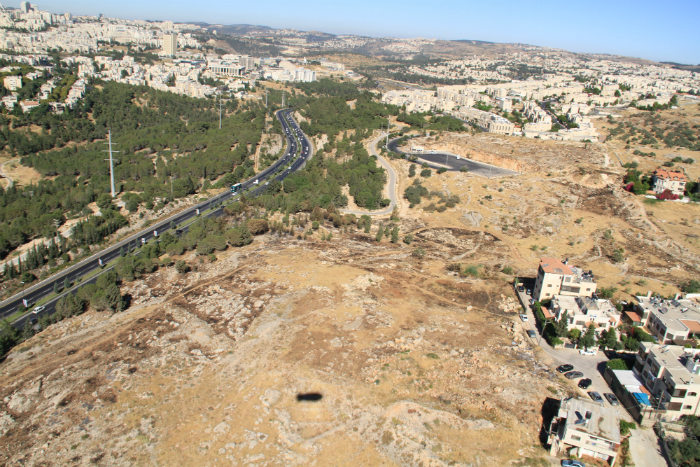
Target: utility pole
111	161
388	125
283	99
219	111
266	99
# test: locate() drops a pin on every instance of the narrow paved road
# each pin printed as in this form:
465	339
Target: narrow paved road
645	449
5	176
391	183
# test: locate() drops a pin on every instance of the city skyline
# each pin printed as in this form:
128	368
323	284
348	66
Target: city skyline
621	28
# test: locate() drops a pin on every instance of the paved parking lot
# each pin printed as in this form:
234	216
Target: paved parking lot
592	366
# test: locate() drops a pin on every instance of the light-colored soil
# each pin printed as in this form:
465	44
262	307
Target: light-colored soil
20	174
414	365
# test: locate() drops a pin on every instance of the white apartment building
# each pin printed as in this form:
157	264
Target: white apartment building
12	83
557	278
663	180
670	374
170	44
669	320
583	427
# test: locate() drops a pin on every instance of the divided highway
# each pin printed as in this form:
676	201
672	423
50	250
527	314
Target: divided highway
299	149
454	163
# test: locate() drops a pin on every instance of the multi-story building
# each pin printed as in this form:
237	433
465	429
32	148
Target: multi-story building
557	278
670	374
585	428
170	44
663	180
670	321
581	312
13	83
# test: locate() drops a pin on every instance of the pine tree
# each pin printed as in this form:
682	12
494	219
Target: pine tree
395	235
380	233
66	283
55	287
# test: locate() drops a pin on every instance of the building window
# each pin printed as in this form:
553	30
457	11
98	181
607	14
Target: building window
547	294
687	407
588	289
575	438
692	394
549	285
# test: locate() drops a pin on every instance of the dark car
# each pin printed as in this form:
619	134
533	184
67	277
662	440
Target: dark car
611	398
585	383
595	396
521	288
574	375
572	463
565	368
531	333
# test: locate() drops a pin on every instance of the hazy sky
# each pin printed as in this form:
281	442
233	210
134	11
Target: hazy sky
657	30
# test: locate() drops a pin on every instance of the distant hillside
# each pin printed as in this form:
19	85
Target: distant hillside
681	66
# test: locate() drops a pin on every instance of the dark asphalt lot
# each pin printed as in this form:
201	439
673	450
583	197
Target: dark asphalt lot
455	165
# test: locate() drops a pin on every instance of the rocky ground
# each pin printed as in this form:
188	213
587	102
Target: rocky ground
411	364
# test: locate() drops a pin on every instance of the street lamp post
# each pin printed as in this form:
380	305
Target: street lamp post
21	282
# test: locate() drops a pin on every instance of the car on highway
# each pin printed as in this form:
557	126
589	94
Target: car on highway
574	375
523	317
565	368
572	463
588	351
585	383
531	333
611	398
38	310
595	396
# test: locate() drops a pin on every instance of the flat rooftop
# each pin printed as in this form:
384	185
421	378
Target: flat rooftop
604	421
671	357
677	315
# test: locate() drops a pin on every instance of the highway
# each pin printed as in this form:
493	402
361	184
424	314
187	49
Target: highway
299	149
454	163
391	183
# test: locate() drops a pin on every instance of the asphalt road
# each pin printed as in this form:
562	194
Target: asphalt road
454	164
392	183
298	150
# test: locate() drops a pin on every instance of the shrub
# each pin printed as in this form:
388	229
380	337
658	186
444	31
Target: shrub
408	239
441	170
464	169
607	293
425	173
419	253
472	271
315	225
507	270
692	286
258	226
181	267
625	427
204	247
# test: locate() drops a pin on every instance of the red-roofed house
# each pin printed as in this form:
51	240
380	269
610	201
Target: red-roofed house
663	180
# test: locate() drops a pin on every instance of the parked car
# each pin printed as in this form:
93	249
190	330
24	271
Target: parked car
572	463
611	398
531	333
585	383
595	396
521	288
528	291
588	351
565	368
574	375
38	310
523	317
